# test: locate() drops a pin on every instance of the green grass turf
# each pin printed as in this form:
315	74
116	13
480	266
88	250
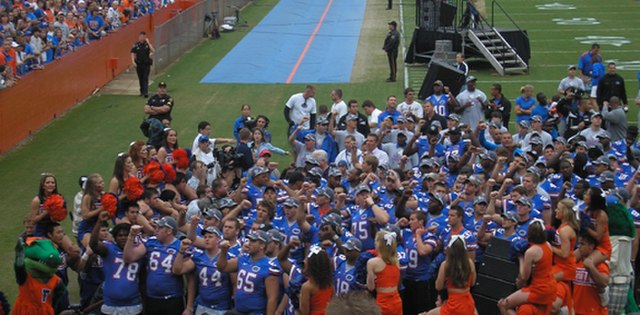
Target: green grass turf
554	47
87	139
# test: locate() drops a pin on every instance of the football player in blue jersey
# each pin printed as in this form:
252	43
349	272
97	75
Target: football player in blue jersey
121	293
344	266
441	98
365	216
254	190
294	226
213	287
231	232
257	282
456	227
419	293
164	289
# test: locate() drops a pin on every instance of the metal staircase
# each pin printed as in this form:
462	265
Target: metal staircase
497	51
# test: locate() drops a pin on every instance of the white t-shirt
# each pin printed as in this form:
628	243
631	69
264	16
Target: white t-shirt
207	158
194	146
414	108
301	107
373	118
383	158
474	113
341	108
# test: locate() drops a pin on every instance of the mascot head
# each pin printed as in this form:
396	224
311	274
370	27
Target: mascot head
41	258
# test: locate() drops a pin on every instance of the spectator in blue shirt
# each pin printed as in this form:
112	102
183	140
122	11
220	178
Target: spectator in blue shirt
391	111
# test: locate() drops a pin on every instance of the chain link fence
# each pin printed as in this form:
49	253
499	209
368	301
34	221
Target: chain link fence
187	28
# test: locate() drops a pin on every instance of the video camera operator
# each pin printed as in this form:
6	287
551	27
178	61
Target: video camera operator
574	112
205	154
234	161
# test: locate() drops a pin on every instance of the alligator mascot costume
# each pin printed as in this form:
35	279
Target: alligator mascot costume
35	267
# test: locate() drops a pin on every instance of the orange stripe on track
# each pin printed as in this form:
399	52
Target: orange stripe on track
309	41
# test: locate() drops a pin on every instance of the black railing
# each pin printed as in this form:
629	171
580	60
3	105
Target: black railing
495	3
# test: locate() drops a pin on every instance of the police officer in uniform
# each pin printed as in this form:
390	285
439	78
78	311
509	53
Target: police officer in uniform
158	107
391	44
141	54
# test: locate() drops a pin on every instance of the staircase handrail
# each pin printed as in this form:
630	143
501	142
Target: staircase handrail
493	5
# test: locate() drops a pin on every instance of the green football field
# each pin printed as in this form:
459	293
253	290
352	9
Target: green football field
88	138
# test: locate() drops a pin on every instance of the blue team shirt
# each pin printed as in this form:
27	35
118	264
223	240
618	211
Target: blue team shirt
424	147
344	276
214	287
469	238
394	116
499	233
161	282
251	291
121	283
440	222
254	194
418	266
292	230
456	149
361	227
524	104
440	104
636	217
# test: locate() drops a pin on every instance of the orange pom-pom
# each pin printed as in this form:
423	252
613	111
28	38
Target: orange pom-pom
181	158
169	173
180	153
150	167
55	207
133	188
110	204
156	177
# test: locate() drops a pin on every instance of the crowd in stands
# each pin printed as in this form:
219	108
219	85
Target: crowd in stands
400	201
33	33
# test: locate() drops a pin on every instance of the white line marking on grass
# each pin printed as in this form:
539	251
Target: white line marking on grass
404	49
555	52
577	21
556	6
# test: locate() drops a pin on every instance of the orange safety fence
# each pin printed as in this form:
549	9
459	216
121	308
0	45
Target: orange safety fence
43	95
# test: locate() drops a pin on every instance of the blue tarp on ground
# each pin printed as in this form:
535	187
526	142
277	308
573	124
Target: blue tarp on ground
270	51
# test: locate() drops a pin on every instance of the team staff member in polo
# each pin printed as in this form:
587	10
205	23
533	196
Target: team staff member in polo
158	107
391	44
141	54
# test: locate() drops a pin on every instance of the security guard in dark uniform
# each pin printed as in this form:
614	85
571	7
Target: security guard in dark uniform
141	54
158	107
391	43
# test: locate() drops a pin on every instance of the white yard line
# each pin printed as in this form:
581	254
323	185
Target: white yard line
404	48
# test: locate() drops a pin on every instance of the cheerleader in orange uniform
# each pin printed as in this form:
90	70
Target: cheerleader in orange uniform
316	293
598	228
564	259
536	264
383	274
459	273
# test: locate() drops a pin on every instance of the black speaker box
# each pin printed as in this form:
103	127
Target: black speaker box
447	13
450	76
492	287
498	247
499	268
485	305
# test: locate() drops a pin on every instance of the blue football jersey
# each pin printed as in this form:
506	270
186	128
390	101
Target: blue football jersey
344	276
293	231
418	265
121	283
161	282
440	104
251	292
214	287
361	227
